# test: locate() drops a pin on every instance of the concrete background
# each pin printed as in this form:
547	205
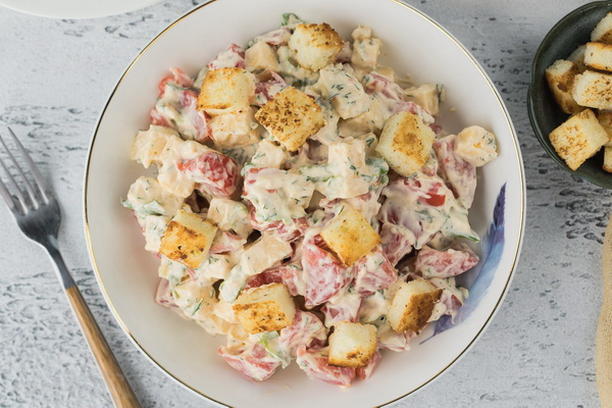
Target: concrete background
55	75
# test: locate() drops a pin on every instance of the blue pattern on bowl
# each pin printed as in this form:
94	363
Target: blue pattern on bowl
478	279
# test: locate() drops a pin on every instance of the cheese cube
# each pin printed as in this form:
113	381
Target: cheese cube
412	305
352	344
261	56
315	45
187	239
291	117
265	308
560	77
349	235
226	89
593	89
578	138
603	30
405	143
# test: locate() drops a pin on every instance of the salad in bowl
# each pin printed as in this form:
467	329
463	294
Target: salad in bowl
305	202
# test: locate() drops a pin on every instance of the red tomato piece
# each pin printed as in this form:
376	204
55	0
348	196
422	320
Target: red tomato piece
315	365
251	360
215	173
307	330
363	373
432	263
373	272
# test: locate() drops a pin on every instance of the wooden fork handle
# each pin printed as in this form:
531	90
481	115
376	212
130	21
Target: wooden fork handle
119	388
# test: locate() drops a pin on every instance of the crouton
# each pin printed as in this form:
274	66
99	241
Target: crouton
405	143
578	138
315	45
427	96
226	89
346	93
230	215
412	305
593	89
603	30
352	344
234	128
187	239
265	308
577	57
349	235
607	165
598	56
476	145
261	56
291	117
605	120
560	76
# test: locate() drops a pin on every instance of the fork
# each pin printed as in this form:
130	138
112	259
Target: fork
37	212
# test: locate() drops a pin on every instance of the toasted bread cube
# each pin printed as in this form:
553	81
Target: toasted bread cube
427	96
291	117
265	308
234	128
577	57
593	89
349	235
578	138
603	30
476	145
607	165
230	215
187	239
598	56
315	45
412	305
405	143
261	56
226	89
605	120
560	76
352	344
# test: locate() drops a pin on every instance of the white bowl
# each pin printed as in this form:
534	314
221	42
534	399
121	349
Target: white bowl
414	43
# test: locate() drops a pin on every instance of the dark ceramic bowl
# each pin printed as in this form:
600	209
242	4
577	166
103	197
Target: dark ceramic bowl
571	31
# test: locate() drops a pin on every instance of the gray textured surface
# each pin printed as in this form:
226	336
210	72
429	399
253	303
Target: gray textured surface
55	76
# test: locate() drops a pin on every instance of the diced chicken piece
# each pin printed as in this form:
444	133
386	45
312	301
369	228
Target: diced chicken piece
264	253
412	305
349	235
315	45
372	120
291	117
234	129
476	145
427	96
366	49
261	56
269	154
345	91
187	239
265	308
578	138
230	215
405	143
352	344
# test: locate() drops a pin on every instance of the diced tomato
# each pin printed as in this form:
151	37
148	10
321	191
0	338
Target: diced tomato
305	331
176	76
363	373
289	275
435	200
163	295
459	174
232	56
324	275
341	308
215	173
251	360
158	119
315	365
397	241
432	263
373	272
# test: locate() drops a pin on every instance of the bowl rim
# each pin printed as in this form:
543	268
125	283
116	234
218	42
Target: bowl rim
535	125
516	255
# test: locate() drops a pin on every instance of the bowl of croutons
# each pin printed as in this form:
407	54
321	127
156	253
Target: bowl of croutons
570	96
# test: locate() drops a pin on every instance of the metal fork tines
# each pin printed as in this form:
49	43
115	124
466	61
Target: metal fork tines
29	180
